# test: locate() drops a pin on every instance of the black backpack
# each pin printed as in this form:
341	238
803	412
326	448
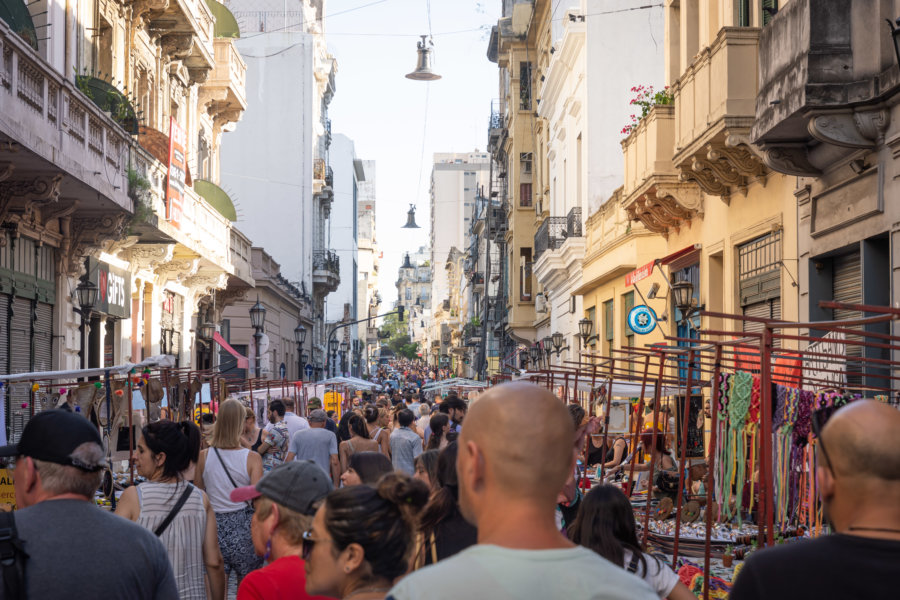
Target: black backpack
12	558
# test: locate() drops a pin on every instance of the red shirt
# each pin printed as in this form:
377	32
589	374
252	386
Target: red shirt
283	579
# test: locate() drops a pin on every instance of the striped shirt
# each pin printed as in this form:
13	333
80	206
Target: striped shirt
183	538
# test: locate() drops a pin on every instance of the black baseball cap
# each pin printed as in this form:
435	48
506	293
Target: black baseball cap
52	436
297	485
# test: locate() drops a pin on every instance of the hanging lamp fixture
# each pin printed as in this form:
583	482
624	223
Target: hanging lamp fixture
423	70
411	218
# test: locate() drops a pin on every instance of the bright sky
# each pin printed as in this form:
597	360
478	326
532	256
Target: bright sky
385	113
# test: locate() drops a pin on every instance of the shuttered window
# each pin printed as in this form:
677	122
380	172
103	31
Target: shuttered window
759	279
847	288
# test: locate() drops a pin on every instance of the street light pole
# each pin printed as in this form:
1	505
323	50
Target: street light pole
86	295
300	338
257	321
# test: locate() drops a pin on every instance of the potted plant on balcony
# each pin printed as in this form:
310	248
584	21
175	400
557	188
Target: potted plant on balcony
139	192
646	98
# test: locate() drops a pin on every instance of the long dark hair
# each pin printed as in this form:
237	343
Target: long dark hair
605	524
445	501
437	424
381	519
343	428
180	442
429	461
370	466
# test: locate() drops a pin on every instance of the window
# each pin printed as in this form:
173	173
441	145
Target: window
525	161
759	279
525	266
408	293
772	6
627	305
525	196
591	315
524	86
608	327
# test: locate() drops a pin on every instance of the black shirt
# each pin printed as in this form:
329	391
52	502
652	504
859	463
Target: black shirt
832	566
453	534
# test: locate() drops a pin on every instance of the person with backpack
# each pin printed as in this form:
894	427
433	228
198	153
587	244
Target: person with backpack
175	510
60	544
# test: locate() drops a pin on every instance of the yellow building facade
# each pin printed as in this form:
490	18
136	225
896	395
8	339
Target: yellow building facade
693	179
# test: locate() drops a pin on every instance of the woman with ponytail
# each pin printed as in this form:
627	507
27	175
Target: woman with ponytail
362	538
179	513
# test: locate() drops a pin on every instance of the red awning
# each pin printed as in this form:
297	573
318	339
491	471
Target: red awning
242	361
157	143
676	255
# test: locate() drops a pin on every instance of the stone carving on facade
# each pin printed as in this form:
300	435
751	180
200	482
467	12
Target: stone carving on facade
198	75
23	195
86	235
231	295
790	159
667	206
176	46
6	170
148	256
203	284
705	178
178	269
861	128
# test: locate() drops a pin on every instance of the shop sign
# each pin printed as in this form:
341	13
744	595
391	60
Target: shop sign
175	177
639	274
114	298
642	319
7	489
830	371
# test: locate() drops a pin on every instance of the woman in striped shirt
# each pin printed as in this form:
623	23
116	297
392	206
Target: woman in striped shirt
165	450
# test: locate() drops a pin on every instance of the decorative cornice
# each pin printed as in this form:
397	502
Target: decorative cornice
148	256
178	269
667	206
89	234
21	195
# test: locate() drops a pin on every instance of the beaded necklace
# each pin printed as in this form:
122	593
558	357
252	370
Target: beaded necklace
738	406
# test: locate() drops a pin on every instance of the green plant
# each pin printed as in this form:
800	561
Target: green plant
646	98
475	321
138	186
729	550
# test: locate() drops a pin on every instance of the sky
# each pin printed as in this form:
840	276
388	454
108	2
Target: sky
400	123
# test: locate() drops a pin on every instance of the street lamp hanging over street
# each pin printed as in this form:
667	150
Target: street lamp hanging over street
423	70
411	218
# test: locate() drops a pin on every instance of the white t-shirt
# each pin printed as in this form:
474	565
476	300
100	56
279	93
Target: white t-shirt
660	577
486	571
294	424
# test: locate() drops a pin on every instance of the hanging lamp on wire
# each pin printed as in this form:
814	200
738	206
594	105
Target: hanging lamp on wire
411	218
423	70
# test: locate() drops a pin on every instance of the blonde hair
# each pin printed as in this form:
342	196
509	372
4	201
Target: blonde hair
291	524
248	413
229	425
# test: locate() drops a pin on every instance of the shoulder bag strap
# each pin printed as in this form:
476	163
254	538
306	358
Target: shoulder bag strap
633	565
227	472
12	558
175	510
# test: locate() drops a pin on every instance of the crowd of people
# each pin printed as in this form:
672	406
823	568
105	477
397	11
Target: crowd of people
404	497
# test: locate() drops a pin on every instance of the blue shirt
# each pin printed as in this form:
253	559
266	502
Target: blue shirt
406	445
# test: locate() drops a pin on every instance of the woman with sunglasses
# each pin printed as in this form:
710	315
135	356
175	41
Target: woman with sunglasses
285	500
362	537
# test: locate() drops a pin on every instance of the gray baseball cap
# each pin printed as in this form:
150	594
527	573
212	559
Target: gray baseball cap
318	415
297	485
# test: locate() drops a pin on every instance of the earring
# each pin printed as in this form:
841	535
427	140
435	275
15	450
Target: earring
268	550
346	569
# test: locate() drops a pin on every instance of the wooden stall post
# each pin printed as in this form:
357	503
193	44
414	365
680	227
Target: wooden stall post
766	482
639	423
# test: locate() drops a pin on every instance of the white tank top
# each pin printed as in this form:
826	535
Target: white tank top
218	486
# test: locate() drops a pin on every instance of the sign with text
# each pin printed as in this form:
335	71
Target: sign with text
826	372
7	489
175	176
114	297
639	274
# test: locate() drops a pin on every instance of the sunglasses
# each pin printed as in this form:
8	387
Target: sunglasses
817	419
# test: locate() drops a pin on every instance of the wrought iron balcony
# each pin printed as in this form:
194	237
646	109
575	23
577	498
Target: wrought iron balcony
573	223
550	235
326	269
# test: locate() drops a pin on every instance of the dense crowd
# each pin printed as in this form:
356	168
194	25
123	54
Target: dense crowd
403	497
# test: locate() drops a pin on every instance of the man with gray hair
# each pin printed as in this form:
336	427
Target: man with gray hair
318	445
64	540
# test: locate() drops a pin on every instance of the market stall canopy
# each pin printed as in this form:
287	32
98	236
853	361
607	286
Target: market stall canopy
620	389
353	382
217	198
454	382
163	361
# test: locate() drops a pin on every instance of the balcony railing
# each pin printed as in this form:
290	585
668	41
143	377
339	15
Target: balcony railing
319	167
46	114
327	260
573	223
550	235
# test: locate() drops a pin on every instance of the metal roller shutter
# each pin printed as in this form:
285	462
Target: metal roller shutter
43	337
20	362
847	288
4	339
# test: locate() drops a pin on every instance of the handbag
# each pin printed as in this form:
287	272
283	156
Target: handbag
175	510
228	474
667	481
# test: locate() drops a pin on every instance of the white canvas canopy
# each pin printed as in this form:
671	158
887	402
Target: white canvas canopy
454	382
163	361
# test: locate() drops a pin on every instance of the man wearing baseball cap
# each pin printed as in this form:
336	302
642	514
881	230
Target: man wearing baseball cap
70	543
286	498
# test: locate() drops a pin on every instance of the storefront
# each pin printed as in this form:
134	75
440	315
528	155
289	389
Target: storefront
113	306
27	299
171	324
